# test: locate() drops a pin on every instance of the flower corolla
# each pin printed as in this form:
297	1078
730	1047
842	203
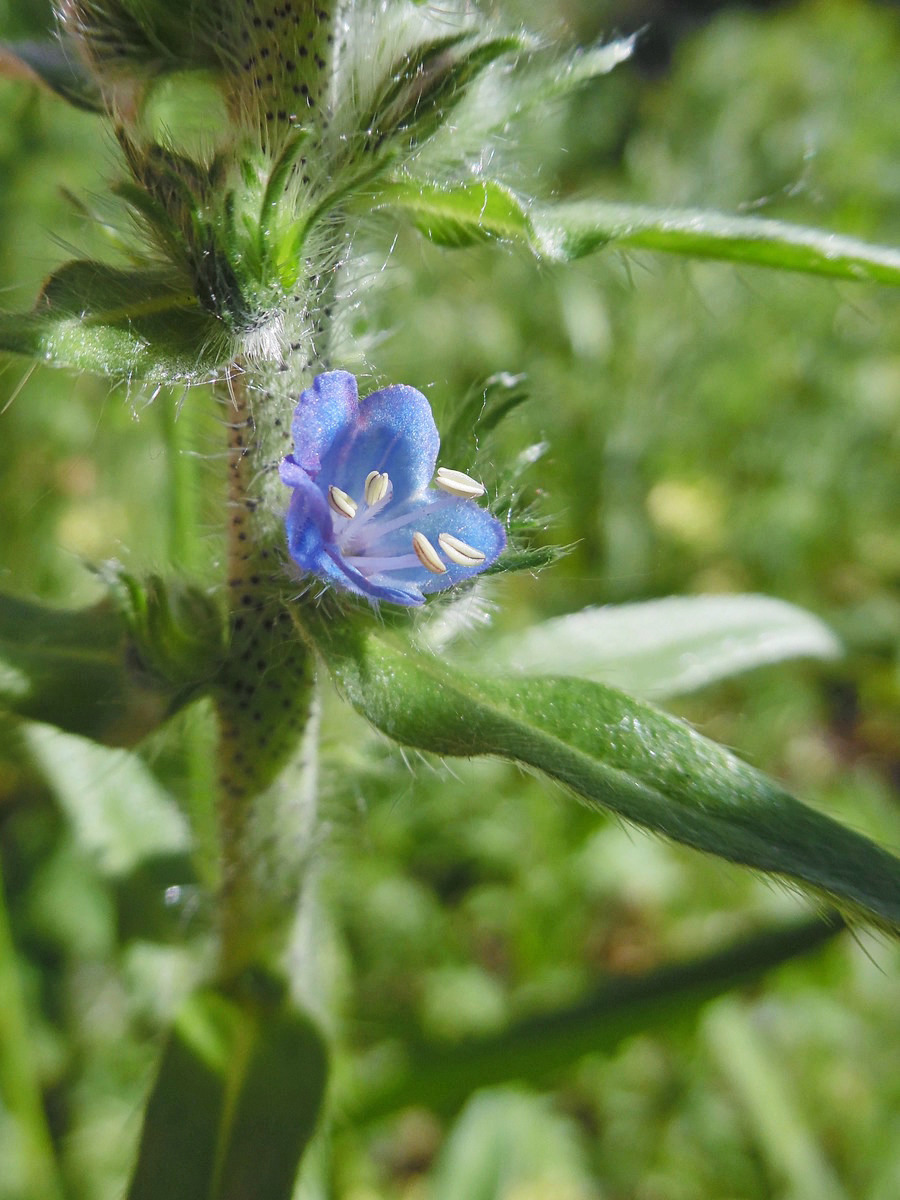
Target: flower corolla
363	515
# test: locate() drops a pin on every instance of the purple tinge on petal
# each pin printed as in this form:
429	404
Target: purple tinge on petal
324	413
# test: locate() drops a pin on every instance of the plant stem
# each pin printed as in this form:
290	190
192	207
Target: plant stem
265	700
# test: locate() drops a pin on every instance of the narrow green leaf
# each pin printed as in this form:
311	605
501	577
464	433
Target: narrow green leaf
538	1050
666	647
568	231
236	1099
276	1110
460	215
54	67
466	213
122	323
184	1115
622	755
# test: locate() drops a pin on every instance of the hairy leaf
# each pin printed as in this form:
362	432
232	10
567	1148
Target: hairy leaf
622	755
121	323
471	212
666	647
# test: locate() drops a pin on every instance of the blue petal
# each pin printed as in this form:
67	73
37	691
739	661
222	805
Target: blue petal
324	412
395	432
310	533
436	513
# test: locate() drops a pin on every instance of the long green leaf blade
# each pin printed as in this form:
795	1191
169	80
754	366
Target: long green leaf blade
622	755
467	213
537	1050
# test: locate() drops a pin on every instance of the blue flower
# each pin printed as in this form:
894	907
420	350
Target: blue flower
363	515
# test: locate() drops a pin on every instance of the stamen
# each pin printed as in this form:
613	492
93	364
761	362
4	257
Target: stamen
343	505
377	484
460	552
427	555
457	483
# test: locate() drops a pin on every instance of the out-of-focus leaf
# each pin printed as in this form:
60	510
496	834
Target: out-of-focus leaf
119	812
666	647
235	1103
622	755
507	1141
115	671
276	1109
540	1049
122	323
50	64
72	669
187	1106
466	213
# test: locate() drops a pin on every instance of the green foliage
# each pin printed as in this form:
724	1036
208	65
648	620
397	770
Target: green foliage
622	755
235	1101
123	323
471	212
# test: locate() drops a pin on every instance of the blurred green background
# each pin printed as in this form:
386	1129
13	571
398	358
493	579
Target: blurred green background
703	429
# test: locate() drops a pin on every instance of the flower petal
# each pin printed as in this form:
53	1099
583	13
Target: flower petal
311	543
394	432
436	513
324	412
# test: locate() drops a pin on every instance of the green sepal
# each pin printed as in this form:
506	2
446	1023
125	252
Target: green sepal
537	1051
123	323
54	67
421	88
236	1100
618	754
177	630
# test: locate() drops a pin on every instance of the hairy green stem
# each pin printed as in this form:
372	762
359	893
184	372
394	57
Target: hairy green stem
265	697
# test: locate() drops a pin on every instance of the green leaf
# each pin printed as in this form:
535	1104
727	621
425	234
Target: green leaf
666	647
123	323
72	669
50	64
115	671
118	810
466	213
186	1109
460	215
622	755
276	1110
569	231
538	1050
236	1099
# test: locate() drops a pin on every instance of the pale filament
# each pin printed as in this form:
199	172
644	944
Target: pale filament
377	491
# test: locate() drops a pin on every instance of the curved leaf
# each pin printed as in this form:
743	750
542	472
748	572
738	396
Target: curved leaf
117	322
666	647
622	755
